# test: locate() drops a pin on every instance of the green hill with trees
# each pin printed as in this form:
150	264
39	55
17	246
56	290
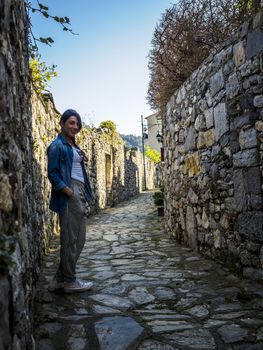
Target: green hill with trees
132	141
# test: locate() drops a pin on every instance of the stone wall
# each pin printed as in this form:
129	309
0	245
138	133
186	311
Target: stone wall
44	130
213	135
20	230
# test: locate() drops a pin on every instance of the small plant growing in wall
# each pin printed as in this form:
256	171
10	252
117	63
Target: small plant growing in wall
110	133
6	250
41	74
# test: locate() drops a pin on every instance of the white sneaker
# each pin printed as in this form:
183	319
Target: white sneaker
55	286
77	286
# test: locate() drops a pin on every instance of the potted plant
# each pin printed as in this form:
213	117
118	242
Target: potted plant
158	198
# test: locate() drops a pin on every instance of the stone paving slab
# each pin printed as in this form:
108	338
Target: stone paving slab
149	292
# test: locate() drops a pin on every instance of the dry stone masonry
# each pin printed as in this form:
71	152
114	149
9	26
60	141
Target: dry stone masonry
44	129
19	226
213	134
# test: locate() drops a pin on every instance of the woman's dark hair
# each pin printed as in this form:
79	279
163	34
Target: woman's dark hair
68	113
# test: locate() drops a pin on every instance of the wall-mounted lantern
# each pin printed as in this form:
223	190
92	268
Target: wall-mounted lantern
144	133
159	136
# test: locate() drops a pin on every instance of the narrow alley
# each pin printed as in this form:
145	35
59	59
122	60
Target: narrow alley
149	292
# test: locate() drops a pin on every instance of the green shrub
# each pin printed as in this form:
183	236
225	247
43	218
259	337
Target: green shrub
108	124
158	198
41	74
153	155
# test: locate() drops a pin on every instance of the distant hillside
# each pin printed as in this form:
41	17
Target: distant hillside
132	141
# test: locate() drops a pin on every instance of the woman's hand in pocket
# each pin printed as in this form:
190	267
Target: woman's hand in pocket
68	191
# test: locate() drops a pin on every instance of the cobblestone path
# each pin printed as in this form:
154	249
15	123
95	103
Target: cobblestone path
149	293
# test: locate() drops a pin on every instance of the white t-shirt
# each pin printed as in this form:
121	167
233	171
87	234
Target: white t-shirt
76	172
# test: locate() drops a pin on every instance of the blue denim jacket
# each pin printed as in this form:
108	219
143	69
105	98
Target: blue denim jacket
60	159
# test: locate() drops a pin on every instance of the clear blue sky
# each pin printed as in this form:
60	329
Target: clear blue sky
103	71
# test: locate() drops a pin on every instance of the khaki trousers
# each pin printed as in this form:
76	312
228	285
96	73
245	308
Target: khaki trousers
72	233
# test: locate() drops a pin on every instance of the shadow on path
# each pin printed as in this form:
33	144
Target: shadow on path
150	293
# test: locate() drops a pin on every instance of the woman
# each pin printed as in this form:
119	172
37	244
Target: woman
70	197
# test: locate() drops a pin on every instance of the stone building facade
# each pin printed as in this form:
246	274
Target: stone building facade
213	135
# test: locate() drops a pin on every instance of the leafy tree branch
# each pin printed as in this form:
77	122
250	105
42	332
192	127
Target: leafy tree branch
41	74
44	11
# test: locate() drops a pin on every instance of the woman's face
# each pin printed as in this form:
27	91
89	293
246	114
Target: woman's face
71	127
